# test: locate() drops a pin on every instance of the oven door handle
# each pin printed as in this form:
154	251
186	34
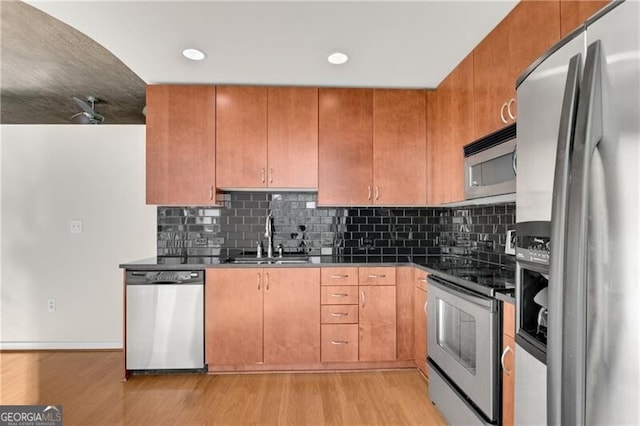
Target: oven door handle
458	291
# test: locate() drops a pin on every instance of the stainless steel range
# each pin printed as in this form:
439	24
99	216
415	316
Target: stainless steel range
464	341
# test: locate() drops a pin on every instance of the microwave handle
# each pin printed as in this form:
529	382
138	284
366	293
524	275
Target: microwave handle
514	161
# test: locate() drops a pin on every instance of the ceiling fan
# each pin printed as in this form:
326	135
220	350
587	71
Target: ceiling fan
88	115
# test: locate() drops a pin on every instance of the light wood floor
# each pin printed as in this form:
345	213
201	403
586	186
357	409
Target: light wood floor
88	385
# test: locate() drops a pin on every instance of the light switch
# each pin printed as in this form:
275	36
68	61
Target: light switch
76	226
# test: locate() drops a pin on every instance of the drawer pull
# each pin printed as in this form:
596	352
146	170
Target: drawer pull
339	294
424	280
339	342
339	277
507	349
339	314
377	276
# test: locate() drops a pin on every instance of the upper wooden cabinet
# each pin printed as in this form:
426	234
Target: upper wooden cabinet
292	140
241	126
526	33
574	13
372	143
268	137
181	145
399	147
450	128
345	146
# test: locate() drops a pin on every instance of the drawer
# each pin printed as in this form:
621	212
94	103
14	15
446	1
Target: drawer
339	343
377	276
339	314
339	276
339	295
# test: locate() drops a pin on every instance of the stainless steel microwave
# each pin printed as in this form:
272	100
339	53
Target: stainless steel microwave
490	164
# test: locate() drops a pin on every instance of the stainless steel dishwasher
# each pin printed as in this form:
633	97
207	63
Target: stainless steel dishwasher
164	320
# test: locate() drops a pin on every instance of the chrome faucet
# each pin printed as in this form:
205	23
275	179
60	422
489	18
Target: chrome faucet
268	233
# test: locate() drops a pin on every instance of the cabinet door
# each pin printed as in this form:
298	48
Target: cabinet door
181	144
508	379
291	315
399	147
241	126
377	323
345	147
339	342
574	13
292	137
404	313
493	84
420	345
233	309
451	107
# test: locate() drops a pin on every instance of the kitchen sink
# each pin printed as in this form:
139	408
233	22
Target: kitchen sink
286	260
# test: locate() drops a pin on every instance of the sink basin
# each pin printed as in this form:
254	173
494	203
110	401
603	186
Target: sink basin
287	260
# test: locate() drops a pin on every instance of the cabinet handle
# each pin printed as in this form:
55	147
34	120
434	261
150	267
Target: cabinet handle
377	276
211	192
339	277
339	342
368	192
262	175
377	192
509	113
425	307
339	294
259	280
502	108
362	297
270	175
339	314
266	281
424	280
504	354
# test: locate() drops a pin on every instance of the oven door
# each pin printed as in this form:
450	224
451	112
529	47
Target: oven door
464	342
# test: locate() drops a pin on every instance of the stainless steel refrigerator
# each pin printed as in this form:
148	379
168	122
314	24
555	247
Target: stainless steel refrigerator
578	168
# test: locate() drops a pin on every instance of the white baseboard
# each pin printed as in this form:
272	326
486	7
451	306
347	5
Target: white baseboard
60	345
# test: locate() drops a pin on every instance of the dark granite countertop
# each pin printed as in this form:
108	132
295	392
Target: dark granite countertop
460	270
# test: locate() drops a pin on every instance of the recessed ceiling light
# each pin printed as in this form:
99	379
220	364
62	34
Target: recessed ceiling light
338	58
193	54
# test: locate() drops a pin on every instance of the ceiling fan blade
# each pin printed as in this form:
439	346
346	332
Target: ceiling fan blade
85	106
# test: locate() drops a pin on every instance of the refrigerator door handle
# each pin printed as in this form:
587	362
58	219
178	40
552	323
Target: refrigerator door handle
587	136
558	236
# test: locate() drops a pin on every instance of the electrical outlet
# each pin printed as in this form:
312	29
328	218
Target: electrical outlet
75	226
51	305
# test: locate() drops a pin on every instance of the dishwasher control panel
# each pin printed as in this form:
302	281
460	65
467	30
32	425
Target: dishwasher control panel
165	277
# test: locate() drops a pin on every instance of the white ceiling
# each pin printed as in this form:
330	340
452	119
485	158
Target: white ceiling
390	43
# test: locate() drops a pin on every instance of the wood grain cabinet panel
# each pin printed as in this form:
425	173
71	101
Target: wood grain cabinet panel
339	295
345	168
377	322
404	313
526	33
292	157
339	314
377	275
241	126
420	346
508	362
399	147
574	13
291	315
180	145
233	323
450	128
256	316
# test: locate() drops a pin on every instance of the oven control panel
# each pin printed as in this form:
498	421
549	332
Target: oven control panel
533	249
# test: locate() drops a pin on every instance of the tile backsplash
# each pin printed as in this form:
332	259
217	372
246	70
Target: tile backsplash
358	234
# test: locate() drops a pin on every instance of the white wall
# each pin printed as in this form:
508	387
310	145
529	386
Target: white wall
50	175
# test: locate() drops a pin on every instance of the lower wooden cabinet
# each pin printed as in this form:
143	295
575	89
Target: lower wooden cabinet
508	364
256	316
420	321
377	321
